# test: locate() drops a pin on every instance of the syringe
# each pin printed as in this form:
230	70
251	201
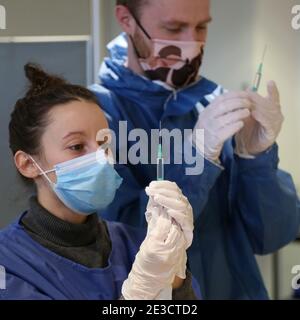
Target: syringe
258	75
160	159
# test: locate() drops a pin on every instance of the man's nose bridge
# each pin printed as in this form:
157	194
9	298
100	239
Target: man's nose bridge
191	34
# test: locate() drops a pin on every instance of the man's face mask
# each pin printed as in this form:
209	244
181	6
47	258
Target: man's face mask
176	63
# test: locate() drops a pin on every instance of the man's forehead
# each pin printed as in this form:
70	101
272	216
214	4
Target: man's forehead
179	11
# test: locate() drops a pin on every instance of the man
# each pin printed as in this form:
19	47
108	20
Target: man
243	205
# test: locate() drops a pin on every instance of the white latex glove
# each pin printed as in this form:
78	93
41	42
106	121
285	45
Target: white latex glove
156	263
153	212
167	195
263	127
221	120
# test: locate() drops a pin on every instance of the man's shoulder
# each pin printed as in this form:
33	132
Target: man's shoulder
205	91
101	92
108	101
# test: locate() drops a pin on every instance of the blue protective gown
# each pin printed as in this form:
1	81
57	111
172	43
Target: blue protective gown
247	207
35	273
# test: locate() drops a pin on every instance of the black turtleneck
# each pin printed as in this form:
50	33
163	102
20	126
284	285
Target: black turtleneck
87	244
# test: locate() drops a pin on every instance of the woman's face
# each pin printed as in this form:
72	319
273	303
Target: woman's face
70	133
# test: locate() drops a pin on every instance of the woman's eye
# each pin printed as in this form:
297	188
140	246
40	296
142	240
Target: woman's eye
76	147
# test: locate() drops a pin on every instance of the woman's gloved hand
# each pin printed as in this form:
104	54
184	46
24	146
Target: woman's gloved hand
167	196
156	263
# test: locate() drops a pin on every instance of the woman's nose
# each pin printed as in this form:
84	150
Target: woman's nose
93	147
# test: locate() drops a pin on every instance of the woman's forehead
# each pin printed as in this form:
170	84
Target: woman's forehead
76	116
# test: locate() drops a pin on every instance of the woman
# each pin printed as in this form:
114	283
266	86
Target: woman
59	248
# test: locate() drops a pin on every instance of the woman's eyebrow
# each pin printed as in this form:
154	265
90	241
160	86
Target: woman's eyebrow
73	133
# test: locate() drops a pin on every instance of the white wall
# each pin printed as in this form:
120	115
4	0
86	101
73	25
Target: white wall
273	26
230	47
44	17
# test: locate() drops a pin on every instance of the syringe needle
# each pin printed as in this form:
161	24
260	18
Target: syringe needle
264	54
258	74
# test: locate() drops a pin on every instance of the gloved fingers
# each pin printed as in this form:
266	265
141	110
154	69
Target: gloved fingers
186	224
162	185
175	239
162	228
172	194
148	216
167	192
183	218
151	218
231	130
232	117
152	214
152	207
265	105
231	96
261	118
182	261
151	202
268	121
273	92
180	204
230	106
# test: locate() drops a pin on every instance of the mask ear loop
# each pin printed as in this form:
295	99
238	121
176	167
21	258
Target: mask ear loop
140	25
43	173
144	31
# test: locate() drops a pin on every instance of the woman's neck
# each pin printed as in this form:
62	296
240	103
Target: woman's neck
51	203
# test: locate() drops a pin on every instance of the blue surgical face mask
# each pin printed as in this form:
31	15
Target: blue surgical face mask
86	184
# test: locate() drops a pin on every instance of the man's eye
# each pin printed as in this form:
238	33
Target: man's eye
201	28
76	147
177	30
174	30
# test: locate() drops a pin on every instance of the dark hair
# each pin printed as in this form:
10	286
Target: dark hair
134	6
30	115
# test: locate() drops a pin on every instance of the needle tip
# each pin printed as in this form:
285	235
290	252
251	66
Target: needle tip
264	54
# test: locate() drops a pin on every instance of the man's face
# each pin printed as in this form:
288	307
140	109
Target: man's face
178	20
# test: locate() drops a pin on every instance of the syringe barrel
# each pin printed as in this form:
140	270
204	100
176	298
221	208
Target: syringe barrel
160	169
257	82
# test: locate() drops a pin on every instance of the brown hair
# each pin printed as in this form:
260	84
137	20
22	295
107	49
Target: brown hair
30	115
134	6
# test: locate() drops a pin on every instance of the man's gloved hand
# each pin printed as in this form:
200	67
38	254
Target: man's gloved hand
221	120
263	127
156	263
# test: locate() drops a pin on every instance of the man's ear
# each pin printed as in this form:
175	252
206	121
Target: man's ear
125	19
25	165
